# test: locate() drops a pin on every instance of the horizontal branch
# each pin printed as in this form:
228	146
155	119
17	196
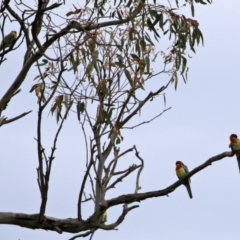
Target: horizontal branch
130	198
6	121
71	225
49	223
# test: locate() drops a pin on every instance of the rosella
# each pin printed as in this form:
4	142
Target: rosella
182	171
235	145
8	40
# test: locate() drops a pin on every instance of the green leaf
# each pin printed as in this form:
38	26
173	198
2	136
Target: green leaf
166	32
130	34
120	64
151	27
143	45
122	43
147	62
178	61
192	9
94	57
58	113
184	63
135	57
65	101
128	75
176	82
118	45
202	2
177	3
148	39
155	56
119	15
141	84
45	61
69	106
112	15
91	45
153	13
118	141
161	21
137	48
149	23
89	68
129	3
164	99
201	36
80	109
69	13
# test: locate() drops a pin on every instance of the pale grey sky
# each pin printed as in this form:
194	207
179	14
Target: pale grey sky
204	113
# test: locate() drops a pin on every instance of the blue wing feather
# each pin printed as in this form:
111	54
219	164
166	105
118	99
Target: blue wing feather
185	168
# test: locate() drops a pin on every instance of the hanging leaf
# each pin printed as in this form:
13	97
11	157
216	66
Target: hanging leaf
128	76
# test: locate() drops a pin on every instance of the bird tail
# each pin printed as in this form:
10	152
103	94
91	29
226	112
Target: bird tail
187	185
238	160
92	235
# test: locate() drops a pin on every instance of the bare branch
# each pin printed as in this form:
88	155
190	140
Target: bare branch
44	187
130	198
130	170
83	185
141	104
148	120
120	155
4	120
81	235
139	171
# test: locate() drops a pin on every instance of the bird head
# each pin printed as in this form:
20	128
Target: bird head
179	163
14	34
233	138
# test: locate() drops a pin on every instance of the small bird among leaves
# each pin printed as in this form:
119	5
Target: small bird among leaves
235	145
103	220
182	171
104	217
8	40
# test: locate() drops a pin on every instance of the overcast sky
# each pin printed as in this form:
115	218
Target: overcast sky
204	113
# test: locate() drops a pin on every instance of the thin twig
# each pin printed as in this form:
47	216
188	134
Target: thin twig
5	121
148	120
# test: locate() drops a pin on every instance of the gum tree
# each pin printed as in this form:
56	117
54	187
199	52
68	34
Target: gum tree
97	62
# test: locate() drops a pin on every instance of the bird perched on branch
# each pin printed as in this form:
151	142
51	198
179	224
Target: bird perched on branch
8	40
103	220
104	217
182	171
235	145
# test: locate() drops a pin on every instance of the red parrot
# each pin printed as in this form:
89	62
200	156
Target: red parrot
235	145
182	171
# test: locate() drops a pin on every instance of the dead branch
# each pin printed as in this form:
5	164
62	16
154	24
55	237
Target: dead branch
139	171
130	198
130	170
148	120
3	120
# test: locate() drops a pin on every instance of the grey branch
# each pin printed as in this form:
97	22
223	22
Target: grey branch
130	198
4	120
149	120
75	226
139	171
